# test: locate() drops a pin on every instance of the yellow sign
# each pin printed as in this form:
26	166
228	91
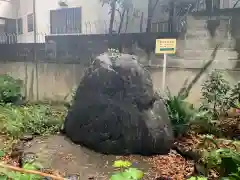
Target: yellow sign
166	46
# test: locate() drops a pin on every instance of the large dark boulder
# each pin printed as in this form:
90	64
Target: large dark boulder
115	110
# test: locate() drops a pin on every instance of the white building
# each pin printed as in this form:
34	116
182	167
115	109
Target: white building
79	17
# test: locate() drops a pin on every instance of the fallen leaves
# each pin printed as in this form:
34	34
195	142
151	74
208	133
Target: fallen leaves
172	165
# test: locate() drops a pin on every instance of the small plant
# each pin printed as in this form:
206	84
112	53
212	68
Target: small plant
126	172
6	174
225	161
215	92
10	89
182	114
235	95
37	119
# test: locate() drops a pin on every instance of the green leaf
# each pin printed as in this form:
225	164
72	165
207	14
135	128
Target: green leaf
197	178
2	153
133	173
25	177
29	166
120	163
118	176
3	177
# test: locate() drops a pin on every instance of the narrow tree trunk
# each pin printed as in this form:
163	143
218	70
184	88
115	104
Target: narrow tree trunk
141	23
127	21
170	18
113	10
151	9
149	19
121	21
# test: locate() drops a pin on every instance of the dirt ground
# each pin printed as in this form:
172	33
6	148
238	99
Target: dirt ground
57	152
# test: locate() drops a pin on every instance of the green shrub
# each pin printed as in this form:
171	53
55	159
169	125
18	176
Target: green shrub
10	89
37	119
235	96
215	92
182	114
224	160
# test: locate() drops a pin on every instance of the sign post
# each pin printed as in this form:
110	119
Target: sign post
165	46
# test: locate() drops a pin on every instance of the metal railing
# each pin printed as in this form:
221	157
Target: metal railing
88	28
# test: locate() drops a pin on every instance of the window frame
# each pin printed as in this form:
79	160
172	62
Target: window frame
30	23
20	25
71	22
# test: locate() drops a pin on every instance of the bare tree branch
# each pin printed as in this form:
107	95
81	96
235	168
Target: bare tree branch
120	13
121	21
236	3
155	5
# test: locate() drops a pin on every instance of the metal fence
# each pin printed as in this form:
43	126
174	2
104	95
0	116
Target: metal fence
96	27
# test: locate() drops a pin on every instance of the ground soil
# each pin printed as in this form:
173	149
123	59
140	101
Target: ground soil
57	152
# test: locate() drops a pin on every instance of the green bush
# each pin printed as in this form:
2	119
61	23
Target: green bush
36	119
224	160
216	94
10	89
182	114
235	96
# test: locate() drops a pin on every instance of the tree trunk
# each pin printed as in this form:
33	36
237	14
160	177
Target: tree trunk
113	10
121	21
127	21
171	17
151	9
141	23
149	19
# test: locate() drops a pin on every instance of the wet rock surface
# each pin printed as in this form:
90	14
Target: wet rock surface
115	110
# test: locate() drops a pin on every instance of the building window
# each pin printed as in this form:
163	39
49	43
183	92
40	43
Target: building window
30	22
212	5
20	26
66	21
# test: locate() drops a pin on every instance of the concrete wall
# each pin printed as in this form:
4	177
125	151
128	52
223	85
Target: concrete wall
55	81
